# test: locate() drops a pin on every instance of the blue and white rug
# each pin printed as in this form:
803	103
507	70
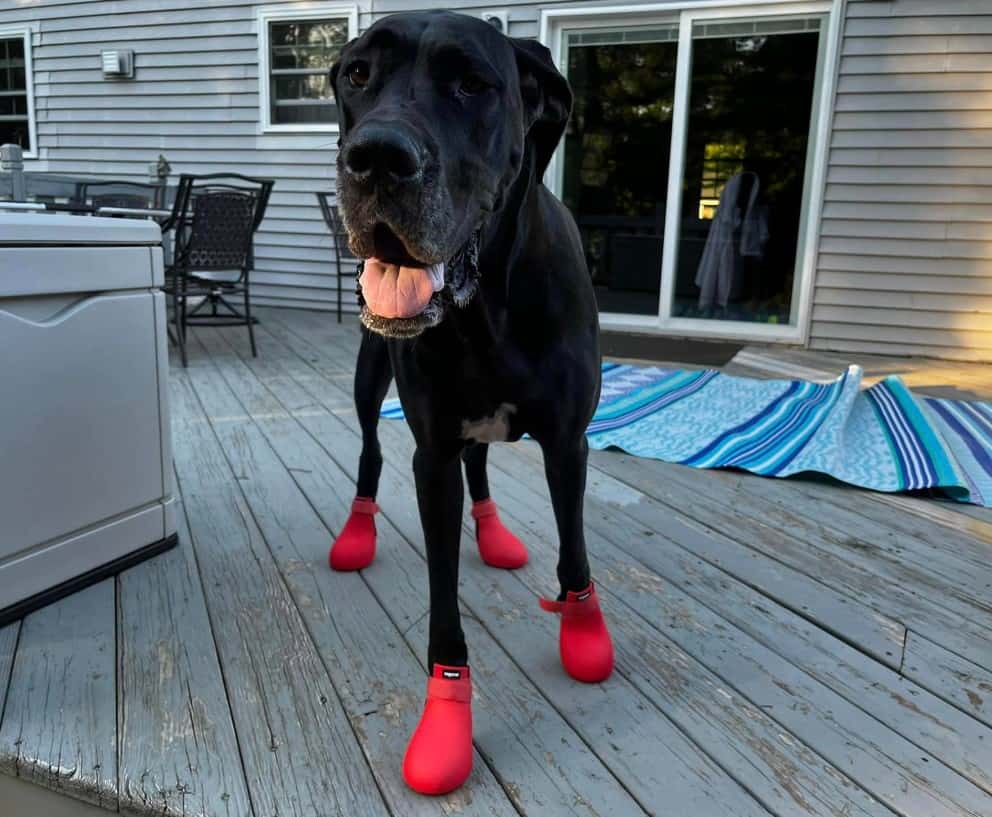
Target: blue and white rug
883	438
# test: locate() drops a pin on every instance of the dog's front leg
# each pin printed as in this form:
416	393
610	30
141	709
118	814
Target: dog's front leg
439	756
584	640
354	547
439	498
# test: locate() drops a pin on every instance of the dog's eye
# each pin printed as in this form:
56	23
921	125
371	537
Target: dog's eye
358	74
472	86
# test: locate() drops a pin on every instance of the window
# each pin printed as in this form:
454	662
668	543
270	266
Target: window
296	52
16	126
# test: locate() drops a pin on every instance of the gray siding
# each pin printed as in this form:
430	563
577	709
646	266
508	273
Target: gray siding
905	264
195	100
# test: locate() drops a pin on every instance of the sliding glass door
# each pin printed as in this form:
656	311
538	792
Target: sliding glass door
687	164
616	158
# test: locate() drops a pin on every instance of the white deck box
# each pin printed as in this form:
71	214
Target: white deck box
86	484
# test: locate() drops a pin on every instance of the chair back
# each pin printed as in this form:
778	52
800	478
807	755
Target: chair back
215	218
334	222
119	193
332	218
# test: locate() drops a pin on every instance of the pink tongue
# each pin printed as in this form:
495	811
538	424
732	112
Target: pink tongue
392	291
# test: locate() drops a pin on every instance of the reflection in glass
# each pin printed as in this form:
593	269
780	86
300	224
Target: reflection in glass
302	53
616	158
750	99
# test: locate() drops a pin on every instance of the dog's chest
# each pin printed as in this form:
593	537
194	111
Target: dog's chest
494	428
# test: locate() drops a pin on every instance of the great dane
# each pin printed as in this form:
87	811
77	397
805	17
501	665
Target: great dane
475	276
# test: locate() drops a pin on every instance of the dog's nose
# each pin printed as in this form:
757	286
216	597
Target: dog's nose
382	153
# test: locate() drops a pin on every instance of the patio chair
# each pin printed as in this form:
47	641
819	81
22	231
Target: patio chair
332	218
214	219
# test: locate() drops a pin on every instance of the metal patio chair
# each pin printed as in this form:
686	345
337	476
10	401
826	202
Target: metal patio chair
214	219
332	218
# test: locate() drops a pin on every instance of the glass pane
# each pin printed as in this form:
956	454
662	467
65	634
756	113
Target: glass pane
616	159
306	86
750	99
288	113
15	133
307	43
301	54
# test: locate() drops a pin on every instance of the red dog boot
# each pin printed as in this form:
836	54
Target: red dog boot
439	755
498	547
584	642
355	546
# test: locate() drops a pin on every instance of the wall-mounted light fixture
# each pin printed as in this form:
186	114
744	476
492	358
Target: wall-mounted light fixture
497	19
117	64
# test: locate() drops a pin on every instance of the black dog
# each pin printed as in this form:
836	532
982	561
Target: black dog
475	274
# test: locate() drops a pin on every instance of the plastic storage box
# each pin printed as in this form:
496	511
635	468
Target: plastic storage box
86	484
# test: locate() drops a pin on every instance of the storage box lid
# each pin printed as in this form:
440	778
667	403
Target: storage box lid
54	229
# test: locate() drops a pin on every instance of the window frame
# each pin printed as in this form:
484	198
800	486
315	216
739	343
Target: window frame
280	14
25	31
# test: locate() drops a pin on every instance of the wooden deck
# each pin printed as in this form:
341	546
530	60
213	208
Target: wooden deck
783	647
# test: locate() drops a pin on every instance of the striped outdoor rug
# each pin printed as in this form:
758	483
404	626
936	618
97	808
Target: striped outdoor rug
883	438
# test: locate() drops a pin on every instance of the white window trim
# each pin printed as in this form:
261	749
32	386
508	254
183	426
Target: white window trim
25	30
554	21
268	14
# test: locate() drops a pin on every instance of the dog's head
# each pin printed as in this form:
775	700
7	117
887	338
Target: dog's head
439	114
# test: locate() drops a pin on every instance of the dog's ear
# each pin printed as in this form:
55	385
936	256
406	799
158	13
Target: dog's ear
342	114
546	96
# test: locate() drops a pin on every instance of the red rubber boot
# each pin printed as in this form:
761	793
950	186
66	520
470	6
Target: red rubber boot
584	642
439	756
498	547
355	546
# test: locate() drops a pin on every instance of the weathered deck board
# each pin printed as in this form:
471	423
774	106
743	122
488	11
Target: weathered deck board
764	662
972	757
966	685
954	571
810	709
299	751
59	725
825	789
8	643
178	748
569	773
765	529
384	687
930	723
969	520
958	551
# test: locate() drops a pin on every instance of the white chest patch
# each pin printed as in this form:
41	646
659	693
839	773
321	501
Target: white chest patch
495	429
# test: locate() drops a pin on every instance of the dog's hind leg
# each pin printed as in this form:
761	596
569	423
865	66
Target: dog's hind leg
354	547
584	640
498	547
439	756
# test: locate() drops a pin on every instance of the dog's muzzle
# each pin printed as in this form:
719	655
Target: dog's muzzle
461	282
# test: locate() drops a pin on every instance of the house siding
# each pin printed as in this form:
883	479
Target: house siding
905	252
905	243
194	99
